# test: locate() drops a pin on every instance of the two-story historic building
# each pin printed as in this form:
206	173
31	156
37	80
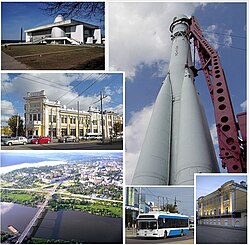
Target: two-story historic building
227	206
44	117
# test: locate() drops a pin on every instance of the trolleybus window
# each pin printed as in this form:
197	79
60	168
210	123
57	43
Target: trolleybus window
147	225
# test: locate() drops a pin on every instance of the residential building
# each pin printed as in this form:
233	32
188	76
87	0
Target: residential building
64	32
44	117
227	206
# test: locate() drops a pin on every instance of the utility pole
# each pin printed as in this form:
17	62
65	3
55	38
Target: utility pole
17	124
78	109
21	34
103	132
51	124
139	200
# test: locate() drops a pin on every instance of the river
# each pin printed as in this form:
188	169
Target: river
65	225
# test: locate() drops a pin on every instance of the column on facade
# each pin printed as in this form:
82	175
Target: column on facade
58	123
221	203
231	200
46	120
68	124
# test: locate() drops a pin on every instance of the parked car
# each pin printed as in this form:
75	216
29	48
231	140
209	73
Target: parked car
41	140
31	137
69	138
19	140
4	138
93	136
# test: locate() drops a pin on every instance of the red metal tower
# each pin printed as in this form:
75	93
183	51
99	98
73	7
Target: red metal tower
231	133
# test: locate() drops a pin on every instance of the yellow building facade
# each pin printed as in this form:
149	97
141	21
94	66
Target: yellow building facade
49	118
227	206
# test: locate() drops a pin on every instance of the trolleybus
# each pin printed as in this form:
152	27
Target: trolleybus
161	224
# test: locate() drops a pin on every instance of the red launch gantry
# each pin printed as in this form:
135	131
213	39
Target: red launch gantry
231	134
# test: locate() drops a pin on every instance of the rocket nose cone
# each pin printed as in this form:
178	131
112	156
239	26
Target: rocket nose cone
58	18
179	17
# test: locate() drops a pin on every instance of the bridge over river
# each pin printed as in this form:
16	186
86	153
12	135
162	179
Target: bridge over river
37	215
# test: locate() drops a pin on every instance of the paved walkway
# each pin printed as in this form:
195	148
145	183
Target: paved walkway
9	63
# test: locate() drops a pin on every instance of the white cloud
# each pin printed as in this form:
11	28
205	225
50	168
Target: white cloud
211	36
135	133
57	87
4	77
7	110
243	105
228	38
139	33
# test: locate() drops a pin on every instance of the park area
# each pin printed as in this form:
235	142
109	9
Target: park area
53	57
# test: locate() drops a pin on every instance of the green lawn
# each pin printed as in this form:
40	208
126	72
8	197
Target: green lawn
22	197
58	56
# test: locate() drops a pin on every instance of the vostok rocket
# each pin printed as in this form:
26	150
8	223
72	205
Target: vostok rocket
178	141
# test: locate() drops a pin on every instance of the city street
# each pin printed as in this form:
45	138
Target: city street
132	239
219	235
118	145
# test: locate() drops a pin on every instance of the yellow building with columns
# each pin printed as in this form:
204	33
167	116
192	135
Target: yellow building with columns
49	118
227	206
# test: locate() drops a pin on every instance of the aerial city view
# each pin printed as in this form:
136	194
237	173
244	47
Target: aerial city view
62	197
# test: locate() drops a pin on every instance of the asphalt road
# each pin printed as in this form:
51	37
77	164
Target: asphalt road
188	239
67	146
218	235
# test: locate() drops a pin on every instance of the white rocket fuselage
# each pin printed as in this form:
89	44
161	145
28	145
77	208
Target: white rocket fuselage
177	143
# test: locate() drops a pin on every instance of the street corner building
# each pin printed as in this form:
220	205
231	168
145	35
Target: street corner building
64	32
44	117
227	206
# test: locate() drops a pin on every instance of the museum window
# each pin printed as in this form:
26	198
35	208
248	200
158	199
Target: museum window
219	211
71	120
215	212
54	118
30	117
65	119
211	212
226	210
226	197
74	120
62	119
39	117
73	132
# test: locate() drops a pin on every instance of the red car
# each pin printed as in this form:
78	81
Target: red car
41	140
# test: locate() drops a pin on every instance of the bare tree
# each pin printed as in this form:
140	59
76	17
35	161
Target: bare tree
86	10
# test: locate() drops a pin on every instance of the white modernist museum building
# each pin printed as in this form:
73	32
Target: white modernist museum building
64	32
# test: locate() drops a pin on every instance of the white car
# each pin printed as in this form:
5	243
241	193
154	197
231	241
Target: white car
19	140
31	137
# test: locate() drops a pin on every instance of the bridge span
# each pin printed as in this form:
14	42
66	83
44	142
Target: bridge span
37	215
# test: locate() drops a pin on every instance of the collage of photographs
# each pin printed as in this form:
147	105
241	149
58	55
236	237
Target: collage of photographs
124	122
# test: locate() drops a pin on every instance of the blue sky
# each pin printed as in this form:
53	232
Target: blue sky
206	184
145	55
17	15
184	197
65	87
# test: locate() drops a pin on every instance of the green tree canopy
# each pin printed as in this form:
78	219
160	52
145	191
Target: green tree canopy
118	127
15	122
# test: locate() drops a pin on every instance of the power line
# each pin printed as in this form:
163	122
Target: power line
101	76
224	34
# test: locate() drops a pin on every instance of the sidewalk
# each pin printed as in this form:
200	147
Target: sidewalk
131	232
9	63
226	227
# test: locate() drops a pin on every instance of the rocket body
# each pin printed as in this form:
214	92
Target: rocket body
177	143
